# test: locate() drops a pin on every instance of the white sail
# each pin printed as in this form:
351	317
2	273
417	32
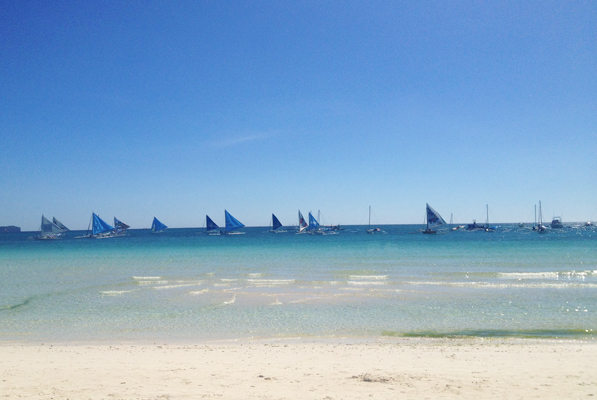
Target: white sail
49	228
433	218
302	223
60	225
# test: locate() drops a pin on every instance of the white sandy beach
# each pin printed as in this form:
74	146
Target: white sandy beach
303	369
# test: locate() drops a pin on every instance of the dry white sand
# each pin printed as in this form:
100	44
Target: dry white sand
295	369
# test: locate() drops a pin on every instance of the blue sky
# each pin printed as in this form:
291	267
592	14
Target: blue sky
184	108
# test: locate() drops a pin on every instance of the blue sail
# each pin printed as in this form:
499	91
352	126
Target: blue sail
231	222
313	224
157	226
99	225
210	225
275	223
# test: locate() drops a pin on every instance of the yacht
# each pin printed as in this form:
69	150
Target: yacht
556	223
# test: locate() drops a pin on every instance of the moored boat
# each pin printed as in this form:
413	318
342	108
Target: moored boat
556	223
369	229
540	227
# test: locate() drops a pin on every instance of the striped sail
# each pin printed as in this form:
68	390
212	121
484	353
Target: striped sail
302	223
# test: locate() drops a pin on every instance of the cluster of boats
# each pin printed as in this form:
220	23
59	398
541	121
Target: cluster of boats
100	229
434	220
232	224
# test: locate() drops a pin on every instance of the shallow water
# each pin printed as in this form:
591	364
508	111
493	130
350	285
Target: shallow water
185	285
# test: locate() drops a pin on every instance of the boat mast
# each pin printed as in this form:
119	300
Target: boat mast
487	210
540	215
369	215
90	222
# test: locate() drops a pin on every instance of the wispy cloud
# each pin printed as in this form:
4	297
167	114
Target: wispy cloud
238	140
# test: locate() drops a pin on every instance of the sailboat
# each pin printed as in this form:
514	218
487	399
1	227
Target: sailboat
487	227
433	220
49	230
211	227
372	230
313	227
276	224
99	229
120	227
157	226
60	225
540	227
302	223
232	224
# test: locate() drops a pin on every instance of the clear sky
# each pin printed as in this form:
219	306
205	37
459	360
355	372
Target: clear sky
178	109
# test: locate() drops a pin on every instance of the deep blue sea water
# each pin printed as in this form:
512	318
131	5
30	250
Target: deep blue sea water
184	285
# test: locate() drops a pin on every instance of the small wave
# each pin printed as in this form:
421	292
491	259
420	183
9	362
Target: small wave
271	281
547	274
543	285
199	291
231	301
115	292
146	278
256	274
366	283
528	275
175	286
361	277
276	303
145	283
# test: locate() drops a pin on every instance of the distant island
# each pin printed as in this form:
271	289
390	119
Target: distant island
10	229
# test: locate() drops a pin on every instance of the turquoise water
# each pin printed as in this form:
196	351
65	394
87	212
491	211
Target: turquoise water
185	285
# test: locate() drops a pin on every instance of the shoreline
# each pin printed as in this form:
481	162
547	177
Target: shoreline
303	368
305	339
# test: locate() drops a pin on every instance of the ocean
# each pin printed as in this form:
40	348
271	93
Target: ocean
183	285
